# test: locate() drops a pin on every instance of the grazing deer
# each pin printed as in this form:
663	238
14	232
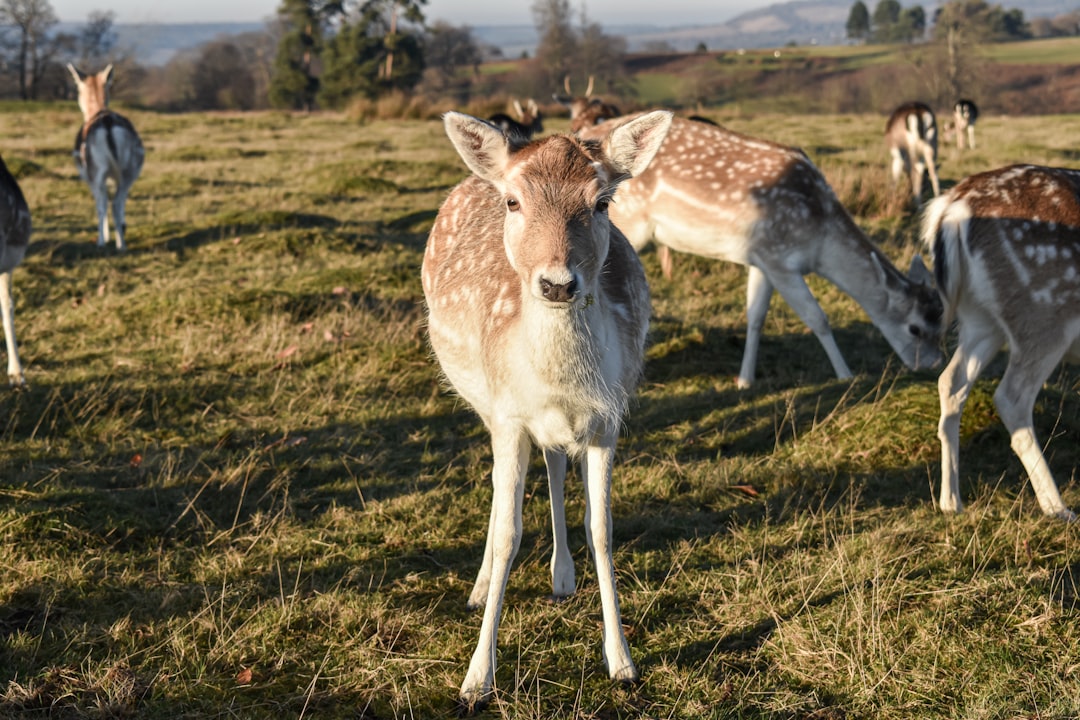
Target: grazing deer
106	148
528	123
1006	249
911	136
719	194
14	239
537	312
965	114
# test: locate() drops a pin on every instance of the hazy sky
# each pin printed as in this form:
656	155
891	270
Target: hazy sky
457	12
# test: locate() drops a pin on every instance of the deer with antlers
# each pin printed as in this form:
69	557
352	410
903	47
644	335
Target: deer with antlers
911	137
1006	249
14	239
719	194
107	148
537	312
529	121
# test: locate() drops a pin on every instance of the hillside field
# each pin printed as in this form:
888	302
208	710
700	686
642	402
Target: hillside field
235	487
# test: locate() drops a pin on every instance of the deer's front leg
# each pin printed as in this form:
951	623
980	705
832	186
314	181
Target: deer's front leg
597	467
563	582
510	448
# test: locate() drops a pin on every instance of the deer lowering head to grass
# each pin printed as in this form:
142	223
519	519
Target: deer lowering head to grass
529	121
965	114
537	313
14	239
107	148
1006	248
719	194
911	136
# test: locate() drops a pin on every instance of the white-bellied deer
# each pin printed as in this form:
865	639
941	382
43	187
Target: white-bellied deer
719	194
1006	249
537	312
107	147
965	114
529	120
14	239
911	136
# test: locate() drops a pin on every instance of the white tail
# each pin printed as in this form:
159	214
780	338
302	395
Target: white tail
911	136
1006	247
965	114
537	313
107	147
716	193
14	239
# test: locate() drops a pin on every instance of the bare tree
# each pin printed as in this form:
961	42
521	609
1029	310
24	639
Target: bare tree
31	21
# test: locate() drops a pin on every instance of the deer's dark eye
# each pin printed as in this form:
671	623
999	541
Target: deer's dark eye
512	204
602	204
915	330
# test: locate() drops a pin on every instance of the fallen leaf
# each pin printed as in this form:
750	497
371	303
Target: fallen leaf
244	677
288	352
748	490
339	290
306	327
136	460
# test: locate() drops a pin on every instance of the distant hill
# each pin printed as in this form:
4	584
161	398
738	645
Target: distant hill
157	43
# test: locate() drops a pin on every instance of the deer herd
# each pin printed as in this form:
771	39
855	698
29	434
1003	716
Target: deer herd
538	306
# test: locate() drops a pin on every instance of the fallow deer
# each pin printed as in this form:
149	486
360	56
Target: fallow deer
911	136
965	114
1006	249
585	110
537	312
14	239
719	194
529	120
107	147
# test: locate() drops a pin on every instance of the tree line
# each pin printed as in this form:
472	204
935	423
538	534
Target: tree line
329	53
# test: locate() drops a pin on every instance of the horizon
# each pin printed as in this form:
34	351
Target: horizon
456	12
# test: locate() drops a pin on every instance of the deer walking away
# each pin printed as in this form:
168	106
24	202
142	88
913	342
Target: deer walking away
1006	248
719	194
537	313
14	239
912	138
107	149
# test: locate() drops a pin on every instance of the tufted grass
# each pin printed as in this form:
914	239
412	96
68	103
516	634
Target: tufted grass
235	488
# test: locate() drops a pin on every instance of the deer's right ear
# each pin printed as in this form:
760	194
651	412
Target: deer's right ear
631	146
481	145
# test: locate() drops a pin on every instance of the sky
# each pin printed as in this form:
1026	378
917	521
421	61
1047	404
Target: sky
457	12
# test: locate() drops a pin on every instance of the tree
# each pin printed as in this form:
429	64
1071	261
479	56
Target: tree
858	22
448	51
912	24
221	78
557	51
31	21
358	60
96	39
295	82
886	16
374	12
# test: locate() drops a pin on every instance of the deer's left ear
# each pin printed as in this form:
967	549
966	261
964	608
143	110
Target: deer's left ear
631	146
918	273
106	74
76	73
481	145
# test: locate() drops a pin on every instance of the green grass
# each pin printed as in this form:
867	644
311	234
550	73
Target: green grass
236	488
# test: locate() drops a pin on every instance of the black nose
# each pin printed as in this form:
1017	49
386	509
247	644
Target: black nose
558	293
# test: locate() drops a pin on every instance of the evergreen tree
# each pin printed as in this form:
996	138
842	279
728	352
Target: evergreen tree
858	22
294	82
886	17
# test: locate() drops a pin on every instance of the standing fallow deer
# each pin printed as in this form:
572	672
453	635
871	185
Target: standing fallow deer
107	148
14	239
965	115
1006	249
537	312
529	120
719	194
911	136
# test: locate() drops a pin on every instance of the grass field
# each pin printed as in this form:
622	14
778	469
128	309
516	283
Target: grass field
235	487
